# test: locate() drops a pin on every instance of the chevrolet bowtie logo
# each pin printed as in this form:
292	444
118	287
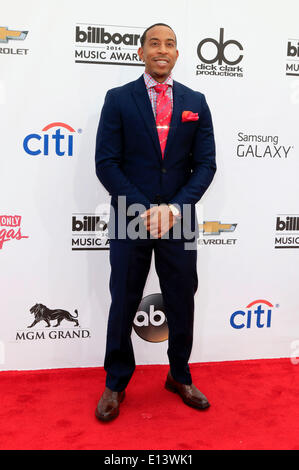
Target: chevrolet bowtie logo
214	228
6	34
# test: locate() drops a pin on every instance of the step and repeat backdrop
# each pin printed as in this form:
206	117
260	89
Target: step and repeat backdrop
57	61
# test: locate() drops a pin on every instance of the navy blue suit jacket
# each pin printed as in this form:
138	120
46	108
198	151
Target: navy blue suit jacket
128	156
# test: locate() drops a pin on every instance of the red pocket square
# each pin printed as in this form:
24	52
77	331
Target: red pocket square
189	116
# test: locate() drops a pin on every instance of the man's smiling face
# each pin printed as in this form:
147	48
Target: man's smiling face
159	52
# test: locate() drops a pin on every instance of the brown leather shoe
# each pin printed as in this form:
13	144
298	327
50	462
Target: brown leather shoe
189	393
108	406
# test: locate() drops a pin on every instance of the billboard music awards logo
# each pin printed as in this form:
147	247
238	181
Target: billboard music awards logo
213	230
6	36
258	314
150	321
10	229
48	142
44	317
262	147
287	231
90	232
292	65
107	44
219	57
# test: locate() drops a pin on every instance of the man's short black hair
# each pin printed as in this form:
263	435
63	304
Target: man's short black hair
143	37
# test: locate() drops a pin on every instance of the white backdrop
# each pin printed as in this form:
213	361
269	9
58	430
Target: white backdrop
46	194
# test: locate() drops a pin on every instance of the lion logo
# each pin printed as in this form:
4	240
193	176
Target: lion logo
41	312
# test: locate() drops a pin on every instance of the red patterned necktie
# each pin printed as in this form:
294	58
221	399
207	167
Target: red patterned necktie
163	115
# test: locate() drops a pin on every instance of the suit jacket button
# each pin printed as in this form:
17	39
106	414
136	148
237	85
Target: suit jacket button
163	170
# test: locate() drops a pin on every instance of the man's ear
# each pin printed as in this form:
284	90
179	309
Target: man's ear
140	53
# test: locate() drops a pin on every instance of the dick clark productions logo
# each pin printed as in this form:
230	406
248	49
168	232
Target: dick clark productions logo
219	57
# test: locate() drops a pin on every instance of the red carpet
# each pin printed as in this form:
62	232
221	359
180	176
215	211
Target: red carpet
254	405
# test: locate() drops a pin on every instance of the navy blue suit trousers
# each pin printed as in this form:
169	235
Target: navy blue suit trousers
176	269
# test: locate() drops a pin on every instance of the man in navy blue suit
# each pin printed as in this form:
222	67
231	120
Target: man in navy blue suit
155	155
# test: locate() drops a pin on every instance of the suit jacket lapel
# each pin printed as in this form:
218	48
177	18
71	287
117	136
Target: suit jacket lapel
144	105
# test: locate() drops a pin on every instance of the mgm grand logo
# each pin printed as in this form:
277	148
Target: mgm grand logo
107	44
52	318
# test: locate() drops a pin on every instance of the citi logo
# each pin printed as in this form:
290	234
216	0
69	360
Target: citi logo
258	314
60	142
98	35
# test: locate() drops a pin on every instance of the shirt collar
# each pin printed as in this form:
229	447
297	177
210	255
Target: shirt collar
150	82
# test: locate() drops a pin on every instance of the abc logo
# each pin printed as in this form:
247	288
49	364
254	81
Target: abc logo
220	47
150	321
